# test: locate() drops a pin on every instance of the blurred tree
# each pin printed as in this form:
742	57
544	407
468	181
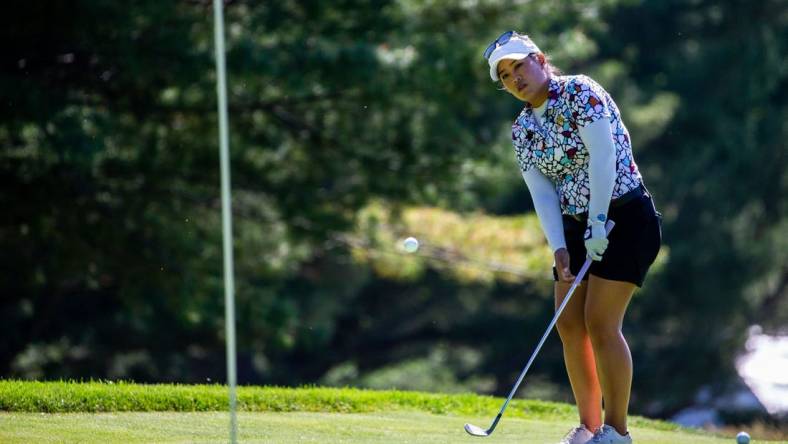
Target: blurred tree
720	176
109	162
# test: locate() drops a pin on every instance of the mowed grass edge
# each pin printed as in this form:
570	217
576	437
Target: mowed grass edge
97	397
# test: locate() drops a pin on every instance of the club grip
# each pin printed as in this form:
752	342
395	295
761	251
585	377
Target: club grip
609	226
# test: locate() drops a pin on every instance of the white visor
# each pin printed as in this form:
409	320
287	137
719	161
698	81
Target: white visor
518	47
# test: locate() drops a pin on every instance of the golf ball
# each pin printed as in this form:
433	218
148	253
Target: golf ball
411	244
743	438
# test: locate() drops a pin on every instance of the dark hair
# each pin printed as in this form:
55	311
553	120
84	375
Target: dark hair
551	69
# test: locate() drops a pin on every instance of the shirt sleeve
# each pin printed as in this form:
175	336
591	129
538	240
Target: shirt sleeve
598	138
587	101
547	206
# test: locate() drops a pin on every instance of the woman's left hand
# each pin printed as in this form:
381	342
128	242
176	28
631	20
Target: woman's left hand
596	240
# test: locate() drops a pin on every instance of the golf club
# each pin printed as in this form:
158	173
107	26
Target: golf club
478	431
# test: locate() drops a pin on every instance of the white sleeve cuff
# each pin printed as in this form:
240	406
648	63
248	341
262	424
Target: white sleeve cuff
547	206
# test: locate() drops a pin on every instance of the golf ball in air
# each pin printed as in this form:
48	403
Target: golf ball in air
743	438
411	244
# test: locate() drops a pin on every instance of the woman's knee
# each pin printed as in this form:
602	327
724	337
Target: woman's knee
602	330
571	329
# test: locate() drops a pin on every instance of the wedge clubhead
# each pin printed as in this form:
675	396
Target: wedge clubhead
475	430
478	431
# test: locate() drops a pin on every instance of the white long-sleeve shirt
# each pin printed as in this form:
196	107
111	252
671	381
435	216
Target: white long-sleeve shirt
597	138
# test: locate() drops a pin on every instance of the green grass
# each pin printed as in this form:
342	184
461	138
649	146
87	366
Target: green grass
297	428
125	412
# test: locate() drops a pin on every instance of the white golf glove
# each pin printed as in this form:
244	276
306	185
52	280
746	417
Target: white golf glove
596	240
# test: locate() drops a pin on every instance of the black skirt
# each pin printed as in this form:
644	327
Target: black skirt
633	243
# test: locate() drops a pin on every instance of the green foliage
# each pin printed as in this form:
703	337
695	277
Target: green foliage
109	163
467	247
718	171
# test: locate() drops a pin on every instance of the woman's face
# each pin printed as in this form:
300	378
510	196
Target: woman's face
525	79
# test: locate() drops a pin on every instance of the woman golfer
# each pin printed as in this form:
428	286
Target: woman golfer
576	158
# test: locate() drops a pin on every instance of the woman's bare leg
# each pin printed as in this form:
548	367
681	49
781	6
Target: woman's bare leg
605	305
579	355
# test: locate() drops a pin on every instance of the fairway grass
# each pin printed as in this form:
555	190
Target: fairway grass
122	412
298	428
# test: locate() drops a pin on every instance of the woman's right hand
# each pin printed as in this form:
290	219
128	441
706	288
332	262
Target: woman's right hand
562	265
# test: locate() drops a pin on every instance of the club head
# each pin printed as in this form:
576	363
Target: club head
475	431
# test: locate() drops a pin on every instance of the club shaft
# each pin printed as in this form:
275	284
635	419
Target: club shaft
558	312
575	284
